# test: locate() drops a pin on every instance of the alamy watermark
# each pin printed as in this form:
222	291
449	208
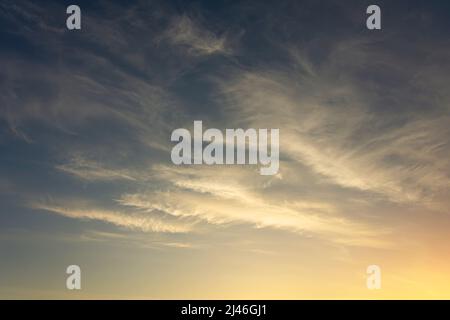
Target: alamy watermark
73	22
235	146
73	281
373	280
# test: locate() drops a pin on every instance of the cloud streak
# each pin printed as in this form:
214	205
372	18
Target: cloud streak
132	221
197	40
231	196
330	125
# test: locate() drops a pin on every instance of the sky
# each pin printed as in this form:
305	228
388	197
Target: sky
86	176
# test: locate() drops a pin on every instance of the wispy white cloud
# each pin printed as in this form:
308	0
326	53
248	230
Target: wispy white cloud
134	221
328	123
198	40
232	196
93	171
